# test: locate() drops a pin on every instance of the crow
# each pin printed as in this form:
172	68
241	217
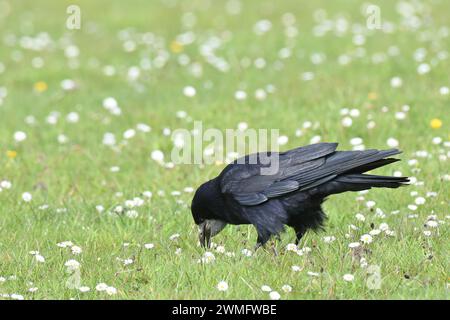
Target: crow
292	196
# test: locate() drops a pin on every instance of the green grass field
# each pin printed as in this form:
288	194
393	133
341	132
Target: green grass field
307	68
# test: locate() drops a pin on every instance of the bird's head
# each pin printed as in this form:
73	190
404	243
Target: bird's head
205	216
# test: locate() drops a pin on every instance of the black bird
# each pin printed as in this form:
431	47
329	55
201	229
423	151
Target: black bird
292	196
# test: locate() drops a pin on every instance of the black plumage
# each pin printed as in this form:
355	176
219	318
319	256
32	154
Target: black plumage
292	196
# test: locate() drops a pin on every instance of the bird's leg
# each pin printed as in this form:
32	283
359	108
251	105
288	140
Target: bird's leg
299	232
261	240
299	236
259	244
274	248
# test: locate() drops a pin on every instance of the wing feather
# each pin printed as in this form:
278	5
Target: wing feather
299	169
246	184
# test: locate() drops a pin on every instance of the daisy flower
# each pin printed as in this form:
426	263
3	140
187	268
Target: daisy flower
208	257
282	140
246	252
329	239
127	262
266	288
65	244
347	122
174	237
189	91
354	245
291	247
111	290
84	289
222	286
419	200
366	238
157	155
39	258
274	295
5	184
240	95
72	264
370	204
20	136
27	197
392	142
432	224
348	277
286	288
76	250
220	249
128	134
101	286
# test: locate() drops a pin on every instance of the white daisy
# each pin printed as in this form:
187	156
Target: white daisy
20	136
266	288
157	155
222	286
347	122
291	247
286	288
111	290
76	250
27	197
354	245
348	277
366	238
392	142
274	295
101	286
84	289
208	257
189	91
240	95
72	264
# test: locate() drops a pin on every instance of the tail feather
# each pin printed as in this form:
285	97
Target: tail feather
373	165
349	168
369	181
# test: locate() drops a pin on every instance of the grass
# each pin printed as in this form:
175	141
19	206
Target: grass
75	177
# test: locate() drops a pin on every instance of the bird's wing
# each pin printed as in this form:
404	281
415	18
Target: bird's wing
249	187
299	169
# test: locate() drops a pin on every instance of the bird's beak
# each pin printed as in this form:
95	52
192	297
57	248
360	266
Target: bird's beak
204	234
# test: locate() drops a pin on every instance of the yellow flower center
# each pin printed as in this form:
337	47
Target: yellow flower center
40	86
436	123
11	154
372	95
176	47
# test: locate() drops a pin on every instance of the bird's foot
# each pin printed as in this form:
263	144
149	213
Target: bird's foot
274	248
